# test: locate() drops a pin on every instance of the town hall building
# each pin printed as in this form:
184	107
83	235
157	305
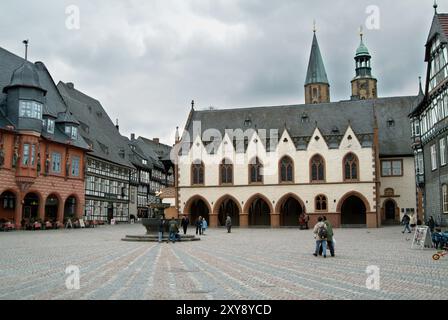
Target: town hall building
351	161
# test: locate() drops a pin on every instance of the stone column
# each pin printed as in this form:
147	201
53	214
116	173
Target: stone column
41	214
60	217
371	220
214	220
18	212
244	220
275	220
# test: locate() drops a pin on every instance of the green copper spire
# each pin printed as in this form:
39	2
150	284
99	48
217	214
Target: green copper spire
316	69
362	49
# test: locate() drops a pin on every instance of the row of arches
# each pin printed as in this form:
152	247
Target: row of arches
285	170
353	209
35	207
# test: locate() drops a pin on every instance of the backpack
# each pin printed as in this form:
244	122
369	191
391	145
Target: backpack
322	233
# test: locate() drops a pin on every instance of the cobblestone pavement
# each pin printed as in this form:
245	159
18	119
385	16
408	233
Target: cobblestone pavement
247	264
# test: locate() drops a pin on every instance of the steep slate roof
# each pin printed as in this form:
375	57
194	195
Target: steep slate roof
54	104
152	151
316	69
439	27
96	126
328	117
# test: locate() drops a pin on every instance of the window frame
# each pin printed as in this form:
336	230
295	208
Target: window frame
201	167
433	153
323	163
391	161
59	156
354	162
442	151
319	200
280	170
226	164
445	198
259	167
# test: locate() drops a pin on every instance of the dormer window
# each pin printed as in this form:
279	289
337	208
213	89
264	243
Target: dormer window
72	132
305	118
391	123
50	126
145	162
30	109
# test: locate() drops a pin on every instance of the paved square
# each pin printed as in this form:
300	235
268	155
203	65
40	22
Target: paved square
247	264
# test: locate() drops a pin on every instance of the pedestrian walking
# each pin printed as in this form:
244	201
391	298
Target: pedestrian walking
320	234
431	224
185	223
199	226
161	229
174	230
406	221
229	224
307	221
204	225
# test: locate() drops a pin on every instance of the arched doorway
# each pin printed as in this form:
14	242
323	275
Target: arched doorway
51	208
290	211
259	213
198	208
7	206
353	212
70	208
30	207
228	207
390	209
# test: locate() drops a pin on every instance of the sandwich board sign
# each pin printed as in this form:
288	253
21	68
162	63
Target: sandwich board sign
422	238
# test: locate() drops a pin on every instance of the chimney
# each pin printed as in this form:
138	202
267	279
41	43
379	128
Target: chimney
156	140
71	85
117	126
132	136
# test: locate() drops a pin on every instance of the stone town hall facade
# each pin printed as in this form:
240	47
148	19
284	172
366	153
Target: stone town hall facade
351	160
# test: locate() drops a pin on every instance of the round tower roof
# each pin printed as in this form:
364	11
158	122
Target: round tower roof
362	50
25	76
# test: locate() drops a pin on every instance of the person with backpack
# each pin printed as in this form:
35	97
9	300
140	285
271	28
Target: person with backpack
174	230
431	224
406	221
330	237
320	234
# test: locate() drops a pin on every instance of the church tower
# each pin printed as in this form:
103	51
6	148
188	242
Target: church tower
317	87
364	85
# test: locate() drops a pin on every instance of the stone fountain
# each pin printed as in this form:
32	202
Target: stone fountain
151	225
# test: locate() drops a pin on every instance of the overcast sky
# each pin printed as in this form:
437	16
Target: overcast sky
145	60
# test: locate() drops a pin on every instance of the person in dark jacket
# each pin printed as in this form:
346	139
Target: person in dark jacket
330	235
174	230
431	224
161	229
185	223
229	224
199	226
406	221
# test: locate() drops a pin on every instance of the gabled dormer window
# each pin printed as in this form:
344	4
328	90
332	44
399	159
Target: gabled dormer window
145	162
30	109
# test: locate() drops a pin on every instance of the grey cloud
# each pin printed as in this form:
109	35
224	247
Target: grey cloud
145	60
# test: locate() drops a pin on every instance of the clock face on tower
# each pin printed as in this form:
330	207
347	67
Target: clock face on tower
363	86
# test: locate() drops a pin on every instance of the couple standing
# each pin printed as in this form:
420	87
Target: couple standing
323	233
